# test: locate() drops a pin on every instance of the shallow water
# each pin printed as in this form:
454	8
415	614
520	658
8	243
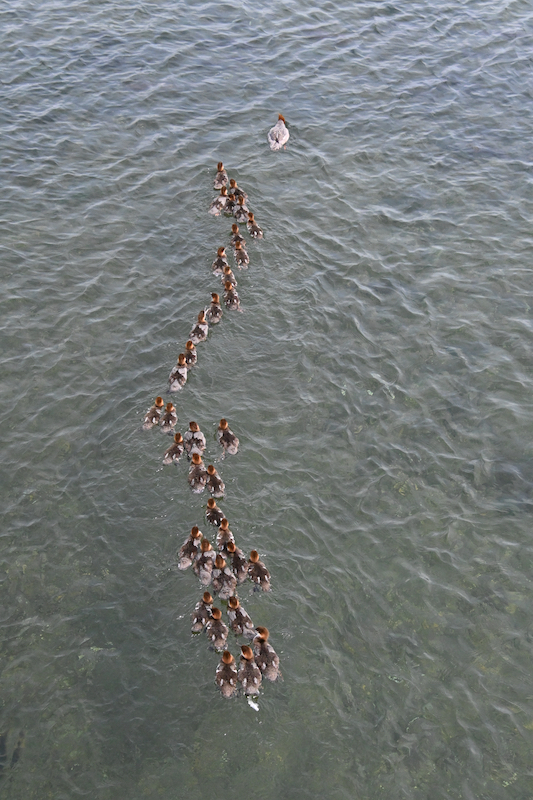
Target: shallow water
379	379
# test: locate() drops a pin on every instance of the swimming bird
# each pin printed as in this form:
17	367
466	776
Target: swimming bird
226	675
249	673
227	438
191	356
278	135
266	657
217	631
153	416
200	329
239	564
224	535
213	513
175	451
190	548
228	275
234	189
229	208
204	563
231	298
201	613
214	482
197	474
178	376
240	211
213	313
194	439
223	580
253	228
219	203
242	259
168	419
221	178
257	572
220	261
236	236
239	619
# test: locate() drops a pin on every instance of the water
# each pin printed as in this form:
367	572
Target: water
379	379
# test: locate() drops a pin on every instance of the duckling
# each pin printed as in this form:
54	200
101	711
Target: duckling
220	261
239	564
266	657
194	439
213	313
226	675
213	513
190	548
253	228
224	581
227	438
236	237
175	451
214	482
227	275
221	178
229	208
249	673
217	631
278	135
203	566
224	535
201	613
239	620
178	376
168	419
242	259
234	189
240	212
231	298
191	356
257	572
152	417
197	474
219	203
200	330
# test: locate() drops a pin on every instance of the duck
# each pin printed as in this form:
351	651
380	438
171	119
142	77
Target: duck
213	513
168	419
236	236
240	212
217	631
253	228
190	548
242	259
223	580
175	451
178	376
231	298
205	560
226	675
194	439
219	203
227	275
153	416
220	261
234	189
224	535
257	572
239	619
214	482
249	675
197	474
227	438
239	564
200	329
266	657
278	135
201	613
213	313
191	356
221	178
229	208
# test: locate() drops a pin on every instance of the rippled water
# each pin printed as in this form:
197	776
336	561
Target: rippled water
379	379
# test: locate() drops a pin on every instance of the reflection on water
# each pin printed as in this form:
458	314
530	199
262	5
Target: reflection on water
379	381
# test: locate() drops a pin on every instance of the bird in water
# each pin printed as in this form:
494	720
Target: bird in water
194	439
224	535
249	673
226	675
175	451
219	203
242	259
227	438
220	261
213	313
213	513
223	580
257	572
200	329
178	376
214	482
240	211
238	561
231	298
190	548
266	657
236	236
197	474
168	419
217	631
253	228
201	613
191	356
228	275
234	189
278	135
221	178
153	416
205	561
239	619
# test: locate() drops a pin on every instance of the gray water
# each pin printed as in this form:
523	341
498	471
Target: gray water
379	379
